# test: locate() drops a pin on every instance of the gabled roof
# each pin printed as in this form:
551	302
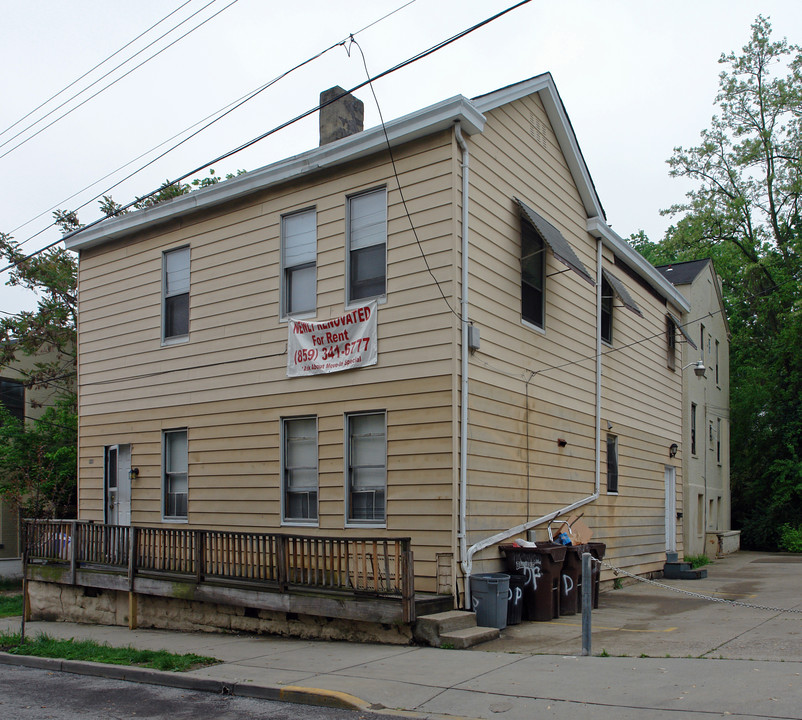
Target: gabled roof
683	273
471	116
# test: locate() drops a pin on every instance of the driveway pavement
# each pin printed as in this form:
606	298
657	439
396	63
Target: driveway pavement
663	653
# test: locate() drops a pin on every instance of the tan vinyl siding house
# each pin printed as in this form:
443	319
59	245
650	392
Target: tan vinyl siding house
537	427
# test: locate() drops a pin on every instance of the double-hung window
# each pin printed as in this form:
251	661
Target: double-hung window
366	459
533	275
612	463
606	312
299	469
174	479
175	290
299	263
367	245
693	428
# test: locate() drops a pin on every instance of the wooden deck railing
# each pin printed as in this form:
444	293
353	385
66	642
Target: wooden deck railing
275	561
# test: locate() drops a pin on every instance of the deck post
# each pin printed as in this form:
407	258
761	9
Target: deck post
132	546
281	560
407	586
72	543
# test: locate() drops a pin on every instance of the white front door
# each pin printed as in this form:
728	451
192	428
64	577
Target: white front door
671	509
118	484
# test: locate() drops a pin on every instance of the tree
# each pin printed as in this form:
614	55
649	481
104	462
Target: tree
744	212
39	461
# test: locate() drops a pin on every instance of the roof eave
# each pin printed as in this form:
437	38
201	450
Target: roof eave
598	228
419	124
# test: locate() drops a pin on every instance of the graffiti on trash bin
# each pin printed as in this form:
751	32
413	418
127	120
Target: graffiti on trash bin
515	595
531	570
568	585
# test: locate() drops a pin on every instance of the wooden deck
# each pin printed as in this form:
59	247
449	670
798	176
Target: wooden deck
368	579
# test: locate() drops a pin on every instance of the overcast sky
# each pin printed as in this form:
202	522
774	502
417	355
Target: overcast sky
637	78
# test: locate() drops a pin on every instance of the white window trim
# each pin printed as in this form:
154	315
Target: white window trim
284	316
175	339
172	518
299	522
376	524
381	299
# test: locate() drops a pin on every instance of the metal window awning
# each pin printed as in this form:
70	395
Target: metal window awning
678	324
620	289
555	240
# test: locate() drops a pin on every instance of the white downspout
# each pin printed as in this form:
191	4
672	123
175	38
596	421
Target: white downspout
523	527
463	447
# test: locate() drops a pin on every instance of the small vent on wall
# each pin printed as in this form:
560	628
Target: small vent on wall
537	129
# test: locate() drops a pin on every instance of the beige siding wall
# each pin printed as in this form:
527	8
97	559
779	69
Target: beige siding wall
518	156
228	383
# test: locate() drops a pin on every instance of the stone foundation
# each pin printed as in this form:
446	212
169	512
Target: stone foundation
55	602
720	544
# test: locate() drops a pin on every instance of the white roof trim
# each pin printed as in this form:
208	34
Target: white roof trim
405	129
600	229
553	104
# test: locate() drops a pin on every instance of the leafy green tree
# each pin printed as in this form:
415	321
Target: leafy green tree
744	212
39	461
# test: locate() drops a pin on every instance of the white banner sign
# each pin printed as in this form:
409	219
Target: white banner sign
342	343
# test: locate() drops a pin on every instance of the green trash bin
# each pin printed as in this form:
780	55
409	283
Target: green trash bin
489	593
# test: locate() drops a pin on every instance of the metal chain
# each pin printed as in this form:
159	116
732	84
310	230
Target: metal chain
620	571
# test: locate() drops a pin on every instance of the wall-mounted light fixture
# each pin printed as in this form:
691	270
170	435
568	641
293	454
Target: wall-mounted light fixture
698	368
672	450
609	425
133	473
561	442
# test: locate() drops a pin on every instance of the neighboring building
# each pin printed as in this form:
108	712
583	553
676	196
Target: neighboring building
193	415
706	411
26	404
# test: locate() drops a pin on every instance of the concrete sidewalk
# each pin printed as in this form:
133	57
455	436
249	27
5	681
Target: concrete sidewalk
760	678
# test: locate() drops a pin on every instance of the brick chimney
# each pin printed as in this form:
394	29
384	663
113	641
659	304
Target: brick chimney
342	118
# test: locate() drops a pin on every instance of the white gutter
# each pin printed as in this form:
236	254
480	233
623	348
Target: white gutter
467	562
463	429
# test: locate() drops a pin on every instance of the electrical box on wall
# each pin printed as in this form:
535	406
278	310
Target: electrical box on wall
473	338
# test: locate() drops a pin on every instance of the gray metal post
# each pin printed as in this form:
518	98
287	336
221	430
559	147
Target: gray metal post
587	600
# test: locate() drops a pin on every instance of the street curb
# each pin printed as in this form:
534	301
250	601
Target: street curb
289	693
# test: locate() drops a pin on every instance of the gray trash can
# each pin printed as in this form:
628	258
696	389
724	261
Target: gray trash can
489	593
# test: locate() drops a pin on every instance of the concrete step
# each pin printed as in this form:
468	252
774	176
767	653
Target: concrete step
429	628
468	637
683	571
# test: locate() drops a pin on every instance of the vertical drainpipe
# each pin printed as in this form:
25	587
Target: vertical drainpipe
463	448
597	469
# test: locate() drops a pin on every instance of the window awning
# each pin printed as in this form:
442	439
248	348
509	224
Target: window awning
620	289
678	324
555	240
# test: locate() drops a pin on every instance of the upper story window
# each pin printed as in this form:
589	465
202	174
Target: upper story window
299	469
717	358
533	276
607	312
12	397
299	263
671	343
367	245
175	480
175	289
693	428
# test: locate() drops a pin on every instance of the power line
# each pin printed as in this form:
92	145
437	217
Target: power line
258	138
398	182
114	82
222	112
91	70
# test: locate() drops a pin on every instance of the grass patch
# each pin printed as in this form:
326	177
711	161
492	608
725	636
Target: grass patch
45	646
698	561
10	605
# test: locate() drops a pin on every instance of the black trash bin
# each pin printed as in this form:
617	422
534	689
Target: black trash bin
515	599
597	550
540	567
570	586
489	599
